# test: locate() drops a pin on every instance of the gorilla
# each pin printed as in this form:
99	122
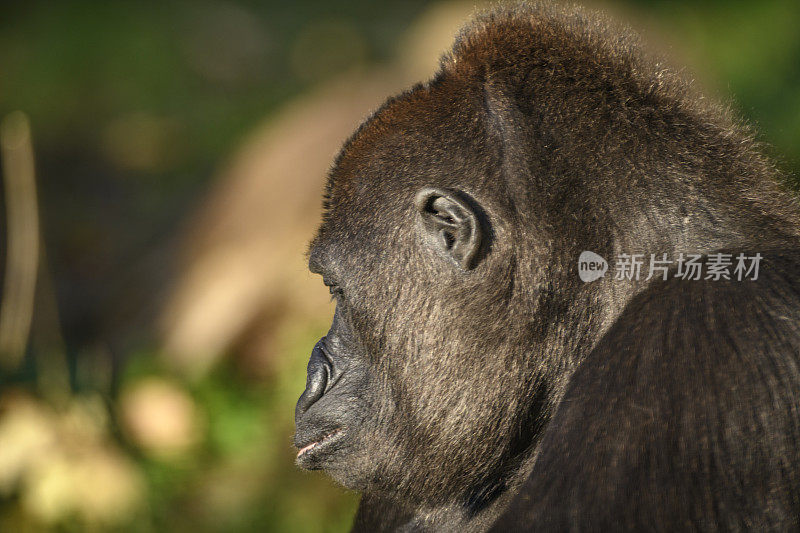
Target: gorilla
473	381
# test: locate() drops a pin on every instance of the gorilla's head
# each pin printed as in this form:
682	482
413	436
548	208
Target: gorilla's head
438	250
417	385
453	221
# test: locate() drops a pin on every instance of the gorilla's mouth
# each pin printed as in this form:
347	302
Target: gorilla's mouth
307	449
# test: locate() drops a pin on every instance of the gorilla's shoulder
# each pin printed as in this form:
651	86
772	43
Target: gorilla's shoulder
683	416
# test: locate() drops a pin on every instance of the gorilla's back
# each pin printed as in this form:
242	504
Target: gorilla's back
686	415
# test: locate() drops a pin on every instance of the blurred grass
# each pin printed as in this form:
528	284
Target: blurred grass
133	106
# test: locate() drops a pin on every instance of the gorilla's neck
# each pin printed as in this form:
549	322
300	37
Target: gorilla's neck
382	513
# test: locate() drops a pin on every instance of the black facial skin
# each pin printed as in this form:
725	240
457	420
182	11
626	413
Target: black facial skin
333	406
470	378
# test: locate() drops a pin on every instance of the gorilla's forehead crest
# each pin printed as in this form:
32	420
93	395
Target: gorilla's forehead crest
532	52
511	42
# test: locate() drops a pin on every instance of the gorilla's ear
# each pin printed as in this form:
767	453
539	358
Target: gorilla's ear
451	225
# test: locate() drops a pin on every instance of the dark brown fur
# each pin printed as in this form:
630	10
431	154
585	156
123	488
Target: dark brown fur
568	139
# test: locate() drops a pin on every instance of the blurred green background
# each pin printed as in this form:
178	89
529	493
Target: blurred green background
158	315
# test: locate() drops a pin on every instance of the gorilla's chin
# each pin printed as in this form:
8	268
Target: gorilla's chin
349	469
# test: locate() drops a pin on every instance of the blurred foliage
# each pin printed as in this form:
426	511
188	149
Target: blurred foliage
750	52
241	476
133	106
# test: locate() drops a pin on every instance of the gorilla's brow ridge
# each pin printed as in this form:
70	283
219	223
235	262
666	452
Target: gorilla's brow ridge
316	263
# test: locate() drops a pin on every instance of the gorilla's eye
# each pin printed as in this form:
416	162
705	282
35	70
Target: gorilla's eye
335	290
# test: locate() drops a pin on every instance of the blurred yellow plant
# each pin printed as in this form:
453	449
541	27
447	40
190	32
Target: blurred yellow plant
63	463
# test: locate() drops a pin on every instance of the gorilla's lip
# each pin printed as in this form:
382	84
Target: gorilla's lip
307	448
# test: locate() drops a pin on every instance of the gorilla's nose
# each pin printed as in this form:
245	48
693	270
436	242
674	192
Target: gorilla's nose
316	380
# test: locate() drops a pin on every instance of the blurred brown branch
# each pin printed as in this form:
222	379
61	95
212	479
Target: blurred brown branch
22	233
